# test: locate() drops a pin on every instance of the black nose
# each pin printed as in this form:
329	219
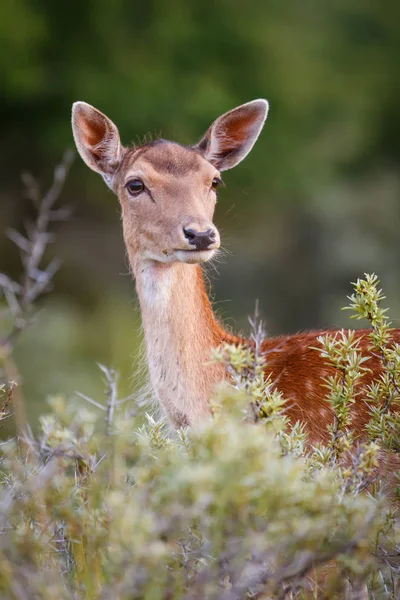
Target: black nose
200	239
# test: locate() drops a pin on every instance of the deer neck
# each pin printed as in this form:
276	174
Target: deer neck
180	332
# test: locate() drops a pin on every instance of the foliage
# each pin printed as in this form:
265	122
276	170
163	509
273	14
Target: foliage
384	394
132	512
107	508
330	71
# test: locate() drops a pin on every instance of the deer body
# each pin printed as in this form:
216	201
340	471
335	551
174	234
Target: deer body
168	194
181	332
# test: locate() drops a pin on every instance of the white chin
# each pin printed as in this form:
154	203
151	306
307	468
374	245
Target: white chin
194	256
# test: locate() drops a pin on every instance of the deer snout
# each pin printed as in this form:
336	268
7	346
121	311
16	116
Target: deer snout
201	237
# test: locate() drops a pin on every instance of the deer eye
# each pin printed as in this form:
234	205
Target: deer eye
215	183
135	187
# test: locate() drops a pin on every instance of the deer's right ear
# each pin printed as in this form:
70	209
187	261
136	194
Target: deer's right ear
97	140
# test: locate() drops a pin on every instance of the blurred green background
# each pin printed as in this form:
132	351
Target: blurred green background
315	205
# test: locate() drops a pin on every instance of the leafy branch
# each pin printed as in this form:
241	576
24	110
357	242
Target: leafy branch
384	392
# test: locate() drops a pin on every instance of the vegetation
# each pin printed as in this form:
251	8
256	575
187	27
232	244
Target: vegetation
240	507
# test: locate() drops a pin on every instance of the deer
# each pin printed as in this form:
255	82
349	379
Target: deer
167	193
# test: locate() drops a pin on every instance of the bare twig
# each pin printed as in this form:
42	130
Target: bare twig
112	394
36	280
91	401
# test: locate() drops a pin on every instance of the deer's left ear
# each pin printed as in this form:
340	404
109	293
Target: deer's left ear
231	137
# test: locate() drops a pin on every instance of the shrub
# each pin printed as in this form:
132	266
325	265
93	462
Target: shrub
216	512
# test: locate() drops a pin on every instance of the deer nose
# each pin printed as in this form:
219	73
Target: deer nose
201	240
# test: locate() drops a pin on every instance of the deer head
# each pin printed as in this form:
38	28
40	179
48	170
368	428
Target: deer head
168	191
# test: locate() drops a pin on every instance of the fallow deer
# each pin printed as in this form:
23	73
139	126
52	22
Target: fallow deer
168	193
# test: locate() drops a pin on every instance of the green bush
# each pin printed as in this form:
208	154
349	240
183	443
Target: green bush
99	506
